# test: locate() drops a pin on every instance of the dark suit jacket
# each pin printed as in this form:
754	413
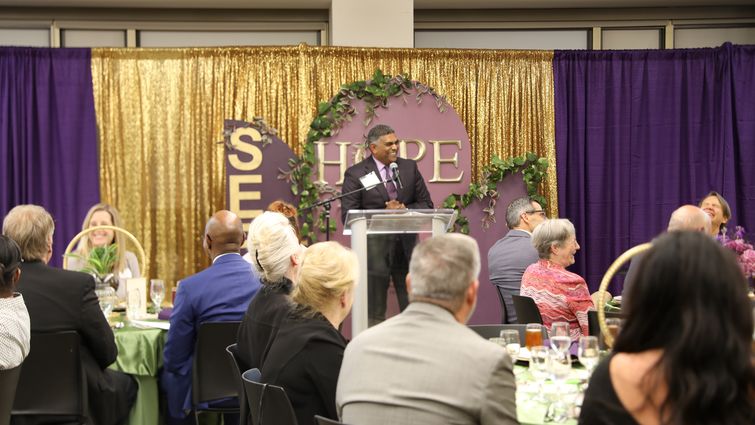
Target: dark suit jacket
507	261
305	359
414	193
62	300
218	293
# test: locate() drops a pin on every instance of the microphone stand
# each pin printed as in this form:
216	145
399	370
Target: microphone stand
325	203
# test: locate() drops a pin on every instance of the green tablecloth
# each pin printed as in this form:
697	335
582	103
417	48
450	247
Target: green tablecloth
529	410
140	353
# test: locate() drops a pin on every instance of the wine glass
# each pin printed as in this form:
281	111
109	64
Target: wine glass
157	292
588	352
106	297
512	342
559	338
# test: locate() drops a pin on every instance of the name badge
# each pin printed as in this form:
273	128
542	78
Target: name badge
370	180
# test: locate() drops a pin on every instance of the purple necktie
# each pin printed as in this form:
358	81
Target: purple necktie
389	185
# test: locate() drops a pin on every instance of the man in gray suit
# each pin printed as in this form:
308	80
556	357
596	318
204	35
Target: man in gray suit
424	366
511	255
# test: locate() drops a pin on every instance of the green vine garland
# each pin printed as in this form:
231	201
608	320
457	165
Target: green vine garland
533	169
331	116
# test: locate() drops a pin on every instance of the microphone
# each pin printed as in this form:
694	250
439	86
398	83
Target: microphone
394	170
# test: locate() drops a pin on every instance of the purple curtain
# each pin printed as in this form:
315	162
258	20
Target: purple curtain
48	136
639	133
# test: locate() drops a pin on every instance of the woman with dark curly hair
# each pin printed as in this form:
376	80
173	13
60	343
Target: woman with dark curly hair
684	354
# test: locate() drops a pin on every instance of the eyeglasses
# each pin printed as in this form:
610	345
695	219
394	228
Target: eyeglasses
541	212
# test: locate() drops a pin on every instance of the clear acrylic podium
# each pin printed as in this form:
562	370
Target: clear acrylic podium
360	223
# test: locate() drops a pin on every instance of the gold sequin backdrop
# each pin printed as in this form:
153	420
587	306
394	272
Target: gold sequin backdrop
160	114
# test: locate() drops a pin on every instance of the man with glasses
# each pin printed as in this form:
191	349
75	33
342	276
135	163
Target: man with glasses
511	255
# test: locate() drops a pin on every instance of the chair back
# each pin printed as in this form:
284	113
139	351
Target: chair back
494	331
526	310
213	376
233	357
52	381
593	326
8	382
504	315
268	404
319	420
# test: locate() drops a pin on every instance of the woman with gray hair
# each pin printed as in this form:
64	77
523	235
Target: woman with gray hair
275	254
560	295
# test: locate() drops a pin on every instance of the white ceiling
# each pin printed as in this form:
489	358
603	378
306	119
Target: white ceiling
325	4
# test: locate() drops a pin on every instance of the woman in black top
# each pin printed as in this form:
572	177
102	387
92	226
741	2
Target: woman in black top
306	355
684	354
275	253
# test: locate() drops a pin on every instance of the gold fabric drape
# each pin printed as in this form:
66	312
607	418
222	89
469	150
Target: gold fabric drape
160	114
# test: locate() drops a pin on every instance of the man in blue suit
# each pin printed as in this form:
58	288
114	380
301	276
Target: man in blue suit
219	293
511	255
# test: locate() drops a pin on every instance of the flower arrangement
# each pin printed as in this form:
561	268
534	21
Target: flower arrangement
744	250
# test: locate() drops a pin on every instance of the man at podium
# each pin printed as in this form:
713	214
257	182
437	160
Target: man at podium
389	182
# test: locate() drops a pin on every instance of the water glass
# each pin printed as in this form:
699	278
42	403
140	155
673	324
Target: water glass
157	292
588	352
512	342
533	335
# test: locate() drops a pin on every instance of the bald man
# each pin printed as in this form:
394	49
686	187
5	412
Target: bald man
686	217
219	293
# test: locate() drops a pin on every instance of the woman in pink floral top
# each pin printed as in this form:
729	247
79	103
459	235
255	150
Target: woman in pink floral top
560	295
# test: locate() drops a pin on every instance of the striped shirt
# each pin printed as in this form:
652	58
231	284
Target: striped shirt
560	295
14	331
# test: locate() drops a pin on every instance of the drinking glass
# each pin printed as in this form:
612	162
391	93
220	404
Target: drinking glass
614	326
559	367
539	366
106	297
157	292
588	352
512	342
533	335
559	338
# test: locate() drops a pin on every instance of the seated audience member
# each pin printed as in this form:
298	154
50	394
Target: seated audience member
14	325
513	253
105	215
686	217
62	300
306	355
560	295
718	209
276	254
424	366
218	293
684	353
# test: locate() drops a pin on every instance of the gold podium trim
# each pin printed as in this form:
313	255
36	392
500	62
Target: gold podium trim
132	238
615	266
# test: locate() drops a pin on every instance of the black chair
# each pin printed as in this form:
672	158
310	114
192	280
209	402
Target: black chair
268	404
319	420
504	316
526	310
52	381
494	331
593	326
232	351
8	382
213	376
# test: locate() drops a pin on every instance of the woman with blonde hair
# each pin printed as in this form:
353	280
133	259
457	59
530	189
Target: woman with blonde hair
126	265
275	254
306	355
